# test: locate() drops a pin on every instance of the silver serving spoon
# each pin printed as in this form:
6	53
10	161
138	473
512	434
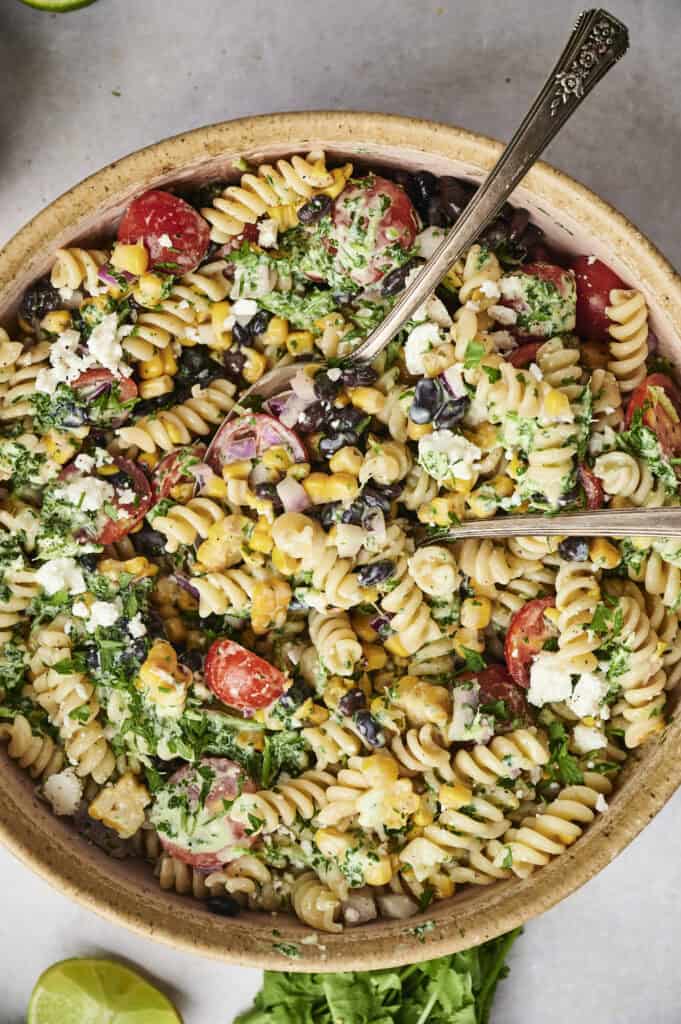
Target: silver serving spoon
597	42
606	522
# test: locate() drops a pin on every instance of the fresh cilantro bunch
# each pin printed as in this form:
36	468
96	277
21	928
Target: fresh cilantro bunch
456	989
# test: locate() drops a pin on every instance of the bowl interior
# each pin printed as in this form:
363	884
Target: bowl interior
573	219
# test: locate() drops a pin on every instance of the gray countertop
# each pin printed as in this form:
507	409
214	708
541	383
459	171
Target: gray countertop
79	90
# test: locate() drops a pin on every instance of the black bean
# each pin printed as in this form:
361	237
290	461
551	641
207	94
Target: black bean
437	216
496	233
240	333
233	361
353	700
155	626
452	412
362	375
354	514
381	495
428	397
375	572
89	562
455	195
369	729
149	542
329	514
269	493
395	281
325	388
343	298
136	651
314	210
519	221
297	694
333	443
259	323
39	299
197	363
574	549
574	496
192	659
421	187
224	906
348	417
312	418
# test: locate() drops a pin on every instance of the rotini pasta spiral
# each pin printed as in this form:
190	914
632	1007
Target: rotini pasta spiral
488	564
577	597
386	463
75	268
419	488
411	619
315	904
629	330
16	400
481	271
184	523
626	477
558	361
176	876
302	538
336	642
643	680
270	808
39	754
182	423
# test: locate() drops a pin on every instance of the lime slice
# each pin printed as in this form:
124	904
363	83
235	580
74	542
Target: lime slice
97	992
58	5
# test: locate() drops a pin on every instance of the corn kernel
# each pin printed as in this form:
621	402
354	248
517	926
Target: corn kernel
335	689
237	470
162	385
321	487
60	447
484	436
132	258
261	538
284	563
149	459
380	769
299	342
442	886
395	646
424	814
461	486
299	470
316	715
418	430
150	368
442	511
375	657
219	312
214	488
347	460
476	612
378	872
269	603
277	458
56	322
340	175
454	797
604	554
465	640
363	628
276	333
255	365
438	360
553	615
369	400
556	403
516	467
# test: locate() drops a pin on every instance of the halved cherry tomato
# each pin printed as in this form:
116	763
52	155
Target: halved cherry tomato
496	684
524	355
593	489
528	631
174	234
240	679
213	834
594	282
663	420
370	218
132	512
172	470
248	437
96	382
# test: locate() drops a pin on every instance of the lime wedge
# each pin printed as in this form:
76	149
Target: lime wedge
97	992
57	5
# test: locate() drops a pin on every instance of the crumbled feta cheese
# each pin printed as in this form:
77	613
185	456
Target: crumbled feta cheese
61	574
166	241
490	289
427	241
587	695
229	322
244	308
511	287
591	260
334	373
88	493
104	346
535	371
503	315
601	804
549	682
85	463
80	610
65	363
102	613
64	791
444	454
267	233
66	294
422	339
586	739
102	457
126	496
136	627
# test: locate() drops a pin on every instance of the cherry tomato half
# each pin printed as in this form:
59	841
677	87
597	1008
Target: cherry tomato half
524	355
240	679
663	418
174	234
528	631
594	282
214	833
593	489
248	437
129	513
496	685
370	218
173	469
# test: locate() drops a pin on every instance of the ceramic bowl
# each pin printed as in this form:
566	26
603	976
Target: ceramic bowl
125	891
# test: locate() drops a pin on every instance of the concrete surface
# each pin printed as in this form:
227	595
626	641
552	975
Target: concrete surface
608	954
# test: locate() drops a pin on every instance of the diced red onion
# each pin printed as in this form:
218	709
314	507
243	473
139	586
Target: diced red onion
239	450
202	473
653	343
374	523
260	474
292	411
185	584
293	495
380	622
303	386
275	405
106	275
452	378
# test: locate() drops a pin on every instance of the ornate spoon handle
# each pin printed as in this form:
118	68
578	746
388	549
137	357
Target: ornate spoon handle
620	522
597	42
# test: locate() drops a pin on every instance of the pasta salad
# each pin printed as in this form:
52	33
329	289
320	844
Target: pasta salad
226	648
